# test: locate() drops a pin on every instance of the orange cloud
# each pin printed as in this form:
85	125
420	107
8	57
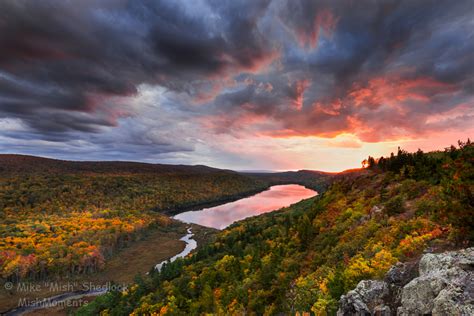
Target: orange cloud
332	108
324	21
300	87
392	90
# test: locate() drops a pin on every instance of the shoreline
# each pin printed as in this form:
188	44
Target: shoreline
199	206
196	207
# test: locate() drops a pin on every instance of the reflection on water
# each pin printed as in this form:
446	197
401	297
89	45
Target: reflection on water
221	216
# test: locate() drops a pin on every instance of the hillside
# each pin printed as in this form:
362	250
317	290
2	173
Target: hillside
303	258
316	180
34	183
64	218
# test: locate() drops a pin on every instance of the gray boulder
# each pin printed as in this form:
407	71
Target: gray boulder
439	284
418	295
444	287
363	300
454	300
402	273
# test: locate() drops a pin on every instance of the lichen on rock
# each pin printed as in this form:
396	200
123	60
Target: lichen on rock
444	287
442	284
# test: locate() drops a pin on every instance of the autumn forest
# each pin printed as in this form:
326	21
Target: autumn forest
236	157
63	219
304	257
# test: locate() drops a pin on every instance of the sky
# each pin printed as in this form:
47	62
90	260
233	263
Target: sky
243	85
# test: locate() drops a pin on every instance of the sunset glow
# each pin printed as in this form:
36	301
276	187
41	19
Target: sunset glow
274	85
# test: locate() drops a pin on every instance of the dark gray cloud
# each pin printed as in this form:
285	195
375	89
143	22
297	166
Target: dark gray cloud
376	69
58	58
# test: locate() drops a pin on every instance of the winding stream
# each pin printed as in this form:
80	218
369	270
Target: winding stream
58	300
219	217
191	244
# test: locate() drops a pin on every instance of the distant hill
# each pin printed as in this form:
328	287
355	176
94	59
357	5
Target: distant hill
317	180
21	163
14	163
32	183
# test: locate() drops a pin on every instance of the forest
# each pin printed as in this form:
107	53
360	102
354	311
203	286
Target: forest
301	259
316	180
59	218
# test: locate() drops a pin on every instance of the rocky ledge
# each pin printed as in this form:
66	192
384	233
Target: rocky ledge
439	284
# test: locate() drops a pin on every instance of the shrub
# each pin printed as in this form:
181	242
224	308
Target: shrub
394	206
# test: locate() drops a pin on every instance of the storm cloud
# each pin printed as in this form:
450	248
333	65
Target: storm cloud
82	74
58	59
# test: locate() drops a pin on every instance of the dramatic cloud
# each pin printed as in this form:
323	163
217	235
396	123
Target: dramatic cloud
59	59
177	81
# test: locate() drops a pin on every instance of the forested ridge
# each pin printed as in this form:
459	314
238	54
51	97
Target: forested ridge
59	218
316	180
304	257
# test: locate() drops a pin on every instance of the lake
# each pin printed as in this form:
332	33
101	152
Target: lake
274	198
219	217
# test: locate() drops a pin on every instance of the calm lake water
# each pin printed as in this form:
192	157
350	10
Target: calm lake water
221	216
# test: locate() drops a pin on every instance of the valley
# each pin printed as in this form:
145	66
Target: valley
285	250
98	222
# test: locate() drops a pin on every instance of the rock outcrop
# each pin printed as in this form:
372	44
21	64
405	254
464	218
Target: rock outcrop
440	284
445	285
365	298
